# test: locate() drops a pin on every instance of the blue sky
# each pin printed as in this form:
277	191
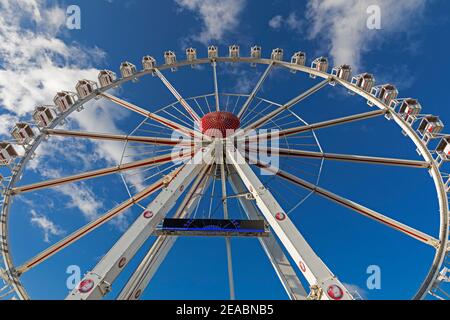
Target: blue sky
43	56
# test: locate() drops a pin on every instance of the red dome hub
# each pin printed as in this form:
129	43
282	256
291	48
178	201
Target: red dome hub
219	124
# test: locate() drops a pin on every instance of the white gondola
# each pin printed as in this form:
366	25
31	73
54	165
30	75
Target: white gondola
43	116
255	53
443	151
7	153
127	69
429	127
364	81
191	54
385	93
148	63
213	52
319	64
409	110
23	133
106	77
343	72
85	88
277	54
170	58
299	59
234	51
64	100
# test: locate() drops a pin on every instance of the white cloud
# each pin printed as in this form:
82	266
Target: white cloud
6	123
276	22
35	63
343	24
292	22
46	225
81	196
218	17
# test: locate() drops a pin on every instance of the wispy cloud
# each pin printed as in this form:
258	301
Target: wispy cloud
276	22
81	196
48	227
217	17
292	22
35	58
342	24
35	63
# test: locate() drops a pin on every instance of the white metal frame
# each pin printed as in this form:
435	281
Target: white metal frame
430	283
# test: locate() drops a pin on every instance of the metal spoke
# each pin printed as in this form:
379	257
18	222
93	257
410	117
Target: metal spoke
319	125
178	96
60	245
166	122
288	105
216	86
418	235
343	157
274	252
223	176
255	91
159	160
118	137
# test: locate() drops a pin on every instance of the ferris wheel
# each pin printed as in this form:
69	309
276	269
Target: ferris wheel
220	165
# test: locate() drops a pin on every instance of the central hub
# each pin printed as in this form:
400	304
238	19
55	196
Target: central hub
219	124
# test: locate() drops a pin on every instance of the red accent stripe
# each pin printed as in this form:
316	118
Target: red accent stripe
350	206
100	221
149	115
94	174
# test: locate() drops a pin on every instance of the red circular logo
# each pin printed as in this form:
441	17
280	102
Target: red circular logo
137	294
148	214
280	216
122	262
86	285
335	292
302	266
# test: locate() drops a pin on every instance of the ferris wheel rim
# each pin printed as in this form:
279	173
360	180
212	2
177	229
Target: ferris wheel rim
441	251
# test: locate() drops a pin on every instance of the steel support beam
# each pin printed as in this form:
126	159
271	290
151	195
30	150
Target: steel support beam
319	125
118	137
255	91
290	104
324	284
97	283
178	96
93	225
223	176
216	86
166	122
162	245
416	234
159	160
278	259
343	157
